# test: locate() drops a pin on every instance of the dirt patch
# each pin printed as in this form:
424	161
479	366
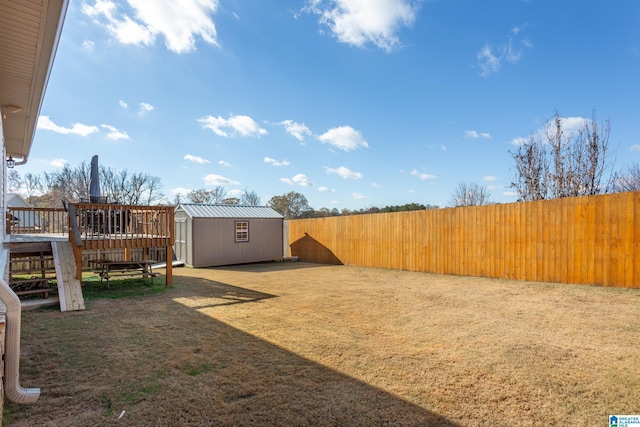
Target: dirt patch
303	344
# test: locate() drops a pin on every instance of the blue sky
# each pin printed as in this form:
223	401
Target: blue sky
353	103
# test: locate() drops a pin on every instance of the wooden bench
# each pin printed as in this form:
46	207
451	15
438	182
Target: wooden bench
109	269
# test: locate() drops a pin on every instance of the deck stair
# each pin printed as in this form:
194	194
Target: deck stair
31	268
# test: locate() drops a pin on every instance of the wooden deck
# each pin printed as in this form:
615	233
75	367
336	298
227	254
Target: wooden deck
97	226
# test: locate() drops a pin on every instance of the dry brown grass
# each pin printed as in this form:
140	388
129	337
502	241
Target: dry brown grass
302	344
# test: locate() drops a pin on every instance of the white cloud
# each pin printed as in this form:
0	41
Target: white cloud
510	194
274	162
358	196
475	135
300	179
213	179
344	172
297	130
490	58
443	147
487	61
178	22
88	45
123	104
326	189
58	163
114	133
235	125
44	122
570	126
635	147
359	22
144	107
196	159
235	193
344	138
519	140
181	191
225	164
421	175
490	178
376	185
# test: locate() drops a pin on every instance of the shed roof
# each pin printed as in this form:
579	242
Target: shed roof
196	210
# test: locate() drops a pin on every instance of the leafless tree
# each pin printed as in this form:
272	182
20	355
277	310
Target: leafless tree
563	163
14	181
628	180
32	186
470	194
203	195
250	198
72	185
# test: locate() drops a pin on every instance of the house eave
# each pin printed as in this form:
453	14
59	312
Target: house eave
29	35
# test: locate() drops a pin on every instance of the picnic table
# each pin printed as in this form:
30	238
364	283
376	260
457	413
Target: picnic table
108	268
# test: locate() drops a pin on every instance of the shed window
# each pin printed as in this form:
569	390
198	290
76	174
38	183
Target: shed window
242	231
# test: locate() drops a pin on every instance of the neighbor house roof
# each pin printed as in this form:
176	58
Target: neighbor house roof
16	200
29	33
196	210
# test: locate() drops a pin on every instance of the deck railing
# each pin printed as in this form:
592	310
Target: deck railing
21	220
104	226
98	226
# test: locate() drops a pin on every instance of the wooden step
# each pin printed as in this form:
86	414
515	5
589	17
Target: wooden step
31	256
41	280
21	247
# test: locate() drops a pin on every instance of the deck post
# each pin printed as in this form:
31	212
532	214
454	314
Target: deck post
77	253
127	254
169	270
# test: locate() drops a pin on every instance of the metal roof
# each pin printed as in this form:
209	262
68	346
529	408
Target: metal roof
29	31
195	210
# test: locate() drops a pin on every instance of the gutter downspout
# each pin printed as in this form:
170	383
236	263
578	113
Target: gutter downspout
12	388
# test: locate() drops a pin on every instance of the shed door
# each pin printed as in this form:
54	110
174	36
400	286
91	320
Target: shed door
181	239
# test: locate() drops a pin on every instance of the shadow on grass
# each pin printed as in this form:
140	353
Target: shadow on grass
156	361
220	294
265	267
260	383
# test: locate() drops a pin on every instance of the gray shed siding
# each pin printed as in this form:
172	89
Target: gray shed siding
205	235
214	241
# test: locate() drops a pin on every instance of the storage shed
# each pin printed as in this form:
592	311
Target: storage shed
211	235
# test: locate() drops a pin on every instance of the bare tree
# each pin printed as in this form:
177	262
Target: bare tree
114	184
32	186
628	180
470	194
250	198
203	195
72	185
14	181
564	164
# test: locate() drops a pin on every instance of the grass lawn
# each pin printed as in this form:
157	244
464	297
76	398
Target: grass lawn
296	344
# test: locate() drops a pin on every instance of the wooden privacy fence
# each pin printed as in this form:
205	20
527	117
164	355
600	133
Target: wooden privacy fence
580	240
